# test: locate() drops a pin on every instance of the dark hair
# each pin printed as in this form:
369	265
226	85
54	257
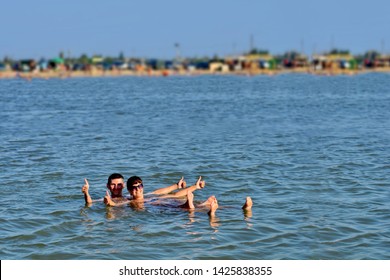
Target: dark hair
114	176
131	181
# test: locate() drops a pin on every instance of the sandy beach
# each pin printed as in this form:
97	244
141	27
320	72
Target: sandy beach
161	73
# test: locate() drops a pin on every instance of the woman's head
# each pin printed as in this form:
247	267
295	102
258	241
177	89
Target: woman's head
135	187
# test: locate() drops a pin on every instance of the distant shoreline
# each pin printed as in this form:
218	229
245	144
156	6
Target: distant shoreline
163	73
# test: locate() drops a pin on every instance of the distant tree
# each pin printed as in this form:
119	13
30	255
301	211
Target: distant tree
198	59
337	51
258	51
109	59
291	55
84	59
7	60
71	60
372	55
121	56
216	58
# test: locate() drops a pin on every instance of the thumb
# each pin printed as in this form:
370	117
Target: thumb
86	182
107	194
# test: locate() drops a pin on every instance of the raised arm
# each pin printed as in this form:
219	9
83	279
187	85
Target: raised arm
198	185
108	201
85	191
179	185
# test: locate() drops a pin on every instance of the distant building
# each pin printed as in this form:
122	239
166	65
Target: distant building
374	59
218	67
260	60
157	64
4	67
25	65
43	64
335	60
201	64
235	63
97	59
294	59
56	63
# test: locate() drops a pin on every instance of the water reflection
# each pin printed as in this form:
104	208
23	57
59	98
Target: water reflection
137	205
116	212
136	228
247	217
110	213
83	211
191	216
247	214
214	222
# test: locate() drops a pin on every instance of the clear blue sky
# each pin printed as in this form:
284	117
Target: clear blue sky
150	28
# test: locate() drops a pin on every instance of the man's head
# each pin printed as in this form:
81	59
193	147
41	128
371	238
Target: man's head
115	184
135	187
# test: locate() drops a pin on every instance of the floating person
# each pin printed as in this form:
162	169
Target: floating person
135	188
115	186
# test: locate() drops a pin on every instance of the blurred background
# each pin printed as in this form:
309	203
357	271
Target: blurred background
171	37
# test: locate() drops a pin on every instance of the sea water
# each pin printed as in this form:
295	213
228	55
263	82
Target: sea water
313	152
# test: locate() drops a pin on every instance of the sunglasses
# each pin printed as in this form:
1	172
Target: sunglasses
140	186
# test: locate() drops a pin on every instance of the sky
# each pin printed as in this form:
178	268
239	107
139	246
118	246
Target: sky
166	28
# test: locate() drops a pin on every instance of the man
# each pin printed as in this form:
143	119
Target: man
115	185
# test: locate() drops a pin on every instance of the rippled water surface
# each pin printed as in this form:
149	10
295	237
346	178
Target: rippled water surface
312	152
